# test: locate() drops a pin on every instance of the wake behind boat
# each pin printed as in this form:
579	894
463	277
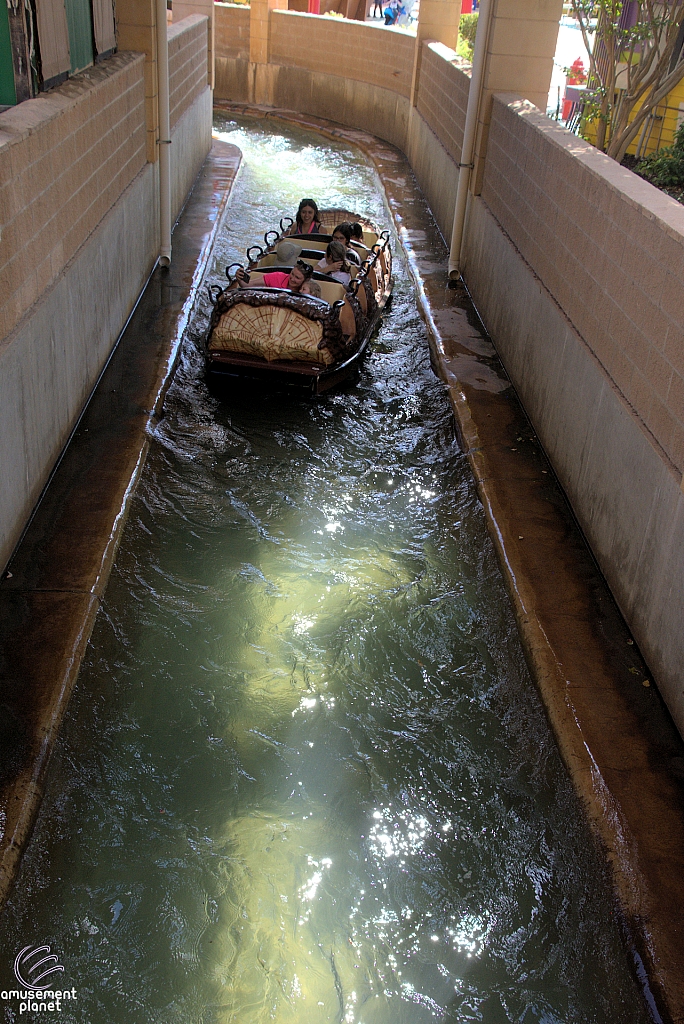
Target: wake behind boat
284	322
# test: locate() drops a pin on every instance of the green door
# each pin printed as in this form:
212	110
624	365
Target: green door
8	96
80	22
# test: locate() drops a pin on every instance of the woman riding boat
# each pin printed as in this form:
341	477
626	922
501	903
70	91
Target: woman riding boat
335	264
307	220
295	280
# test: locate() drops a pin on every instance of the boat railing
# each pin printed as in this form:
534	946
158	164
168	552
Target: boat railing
260	254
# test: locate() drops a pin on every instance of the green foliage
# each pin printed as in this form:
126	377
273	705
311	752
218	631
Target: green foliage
633	64
665	168
468	27
466	36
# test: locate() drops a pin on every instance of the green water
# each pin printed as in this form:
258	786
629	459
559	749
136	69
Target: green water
305	776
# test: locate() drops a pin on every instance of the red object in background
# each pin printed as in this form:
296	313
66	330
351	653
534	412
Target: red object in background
466	6
314	6
577	76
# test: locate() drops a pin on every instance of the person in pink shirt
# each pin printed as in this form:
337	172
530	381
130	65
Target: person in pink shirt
300	273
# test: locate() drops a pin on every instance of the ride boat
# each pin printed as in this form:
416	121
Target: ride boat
285	338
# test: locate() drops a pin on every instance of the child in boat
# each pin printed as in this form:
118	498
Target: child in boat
307	220
312	288
298	276
342	233
334	263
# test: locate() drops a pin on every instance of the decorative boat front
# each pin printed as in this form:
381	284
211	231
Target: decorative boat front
282	337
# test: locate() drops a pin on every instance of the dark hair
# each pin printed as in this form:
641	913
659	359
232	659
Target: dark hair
314	207
344	229
337	251
357	231
304	268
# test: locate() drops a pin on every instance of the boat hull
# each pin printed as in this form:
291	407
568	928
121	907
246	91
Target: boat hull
283	340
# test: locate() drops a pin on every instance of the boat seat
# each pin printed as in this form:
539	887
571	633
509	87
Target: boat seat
270	261
331	291
317	243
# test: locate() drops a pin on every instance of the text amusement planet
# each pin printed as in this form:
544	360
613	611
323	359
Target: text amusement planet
38	971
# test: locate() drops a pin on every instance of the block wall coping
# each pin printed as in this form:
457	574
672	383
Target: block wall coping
449	55
638	193
179	28
347	25
17	123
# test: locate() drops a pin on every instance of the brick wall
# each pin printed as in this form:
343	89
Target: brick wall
232	30
187	64
65	158
443	95
363	53
610	249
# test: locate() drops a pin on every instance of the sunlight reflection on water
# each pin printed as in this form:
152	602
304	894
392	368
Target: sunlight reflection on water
305	776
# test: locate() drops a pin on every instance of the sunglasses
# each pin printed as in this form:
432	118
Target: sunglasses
305	268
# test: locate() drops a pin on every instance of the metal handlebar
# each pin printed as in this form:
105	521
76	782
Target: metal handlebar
259	250
287	227
219	293
276	236
228	270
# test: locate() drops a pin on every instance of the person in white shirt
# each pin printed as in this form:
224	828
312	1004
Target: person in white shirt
334	263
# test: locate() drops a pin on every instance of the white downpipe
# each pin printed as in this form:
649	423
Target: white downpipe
164	136
466	164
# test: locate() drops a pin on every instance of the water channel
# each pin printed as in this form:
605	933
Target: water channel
305	776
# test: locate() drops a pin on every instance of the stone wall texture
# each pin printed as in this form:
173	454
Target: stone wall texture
65	158
442	95
187	64
232	31
349	49
608	246
80	235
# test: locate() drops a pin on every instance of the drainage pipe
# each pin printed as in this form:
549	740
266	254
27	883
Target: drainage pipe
164	136
466	164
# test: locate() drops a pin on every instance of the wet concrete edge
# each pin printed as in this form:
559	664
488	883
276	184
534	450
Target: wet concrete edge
54	584
614	733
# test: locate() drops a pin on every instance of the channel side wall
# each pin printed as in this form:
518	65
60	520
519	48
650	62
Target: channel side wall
79	239
577	267
371	91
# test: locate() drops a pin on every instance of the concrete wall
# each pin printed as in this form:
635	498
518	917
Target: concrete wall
442	95
232	32
191	105
436	124
80	226
577	267
372	93
609	247
358	52
65	158
187	64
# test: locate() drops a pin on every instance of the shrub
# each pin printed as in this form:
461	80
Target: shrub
468	27
665	168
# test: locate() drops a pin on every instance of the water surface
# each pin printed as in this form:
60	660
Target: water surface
305	776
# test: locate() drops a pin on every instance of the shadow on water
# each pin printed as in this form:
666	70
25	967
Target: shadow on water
305	776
